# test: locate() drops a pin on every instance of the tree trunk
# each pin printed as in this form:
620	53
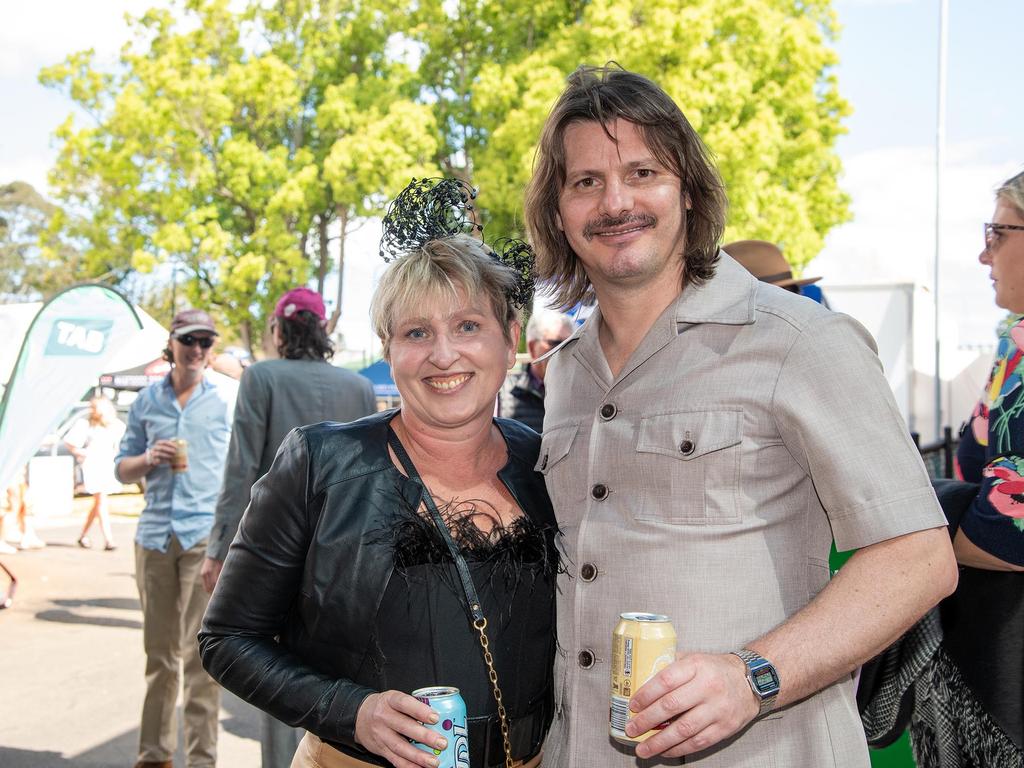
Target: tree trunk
342	212
245	331
325	258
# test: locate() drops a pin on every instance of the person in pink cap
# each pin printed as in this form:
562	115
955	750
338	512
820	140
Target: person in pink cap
274	397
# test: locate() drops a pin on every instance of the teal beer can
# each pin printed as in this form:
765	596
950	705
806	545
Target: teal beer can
451	723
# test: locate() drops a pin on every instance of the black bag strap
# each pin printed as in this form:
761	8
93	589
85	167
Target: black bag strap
476	612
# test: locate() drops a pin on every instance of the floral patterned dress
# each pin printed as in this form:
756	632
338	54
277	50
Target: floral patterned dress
991	452
968	702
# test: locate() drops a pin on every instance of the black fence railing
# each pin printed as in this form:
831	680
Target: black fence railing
938	456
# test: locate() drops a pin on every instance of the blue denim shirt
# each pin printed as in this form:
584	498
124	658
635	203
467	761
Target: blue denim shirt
182	504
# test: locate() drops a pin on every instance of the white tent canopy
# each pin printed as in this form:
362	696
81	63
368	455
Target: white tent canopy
15	319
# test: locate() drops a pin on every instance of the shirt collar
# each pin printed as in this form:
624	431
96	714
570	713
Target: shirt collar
728	298
204	383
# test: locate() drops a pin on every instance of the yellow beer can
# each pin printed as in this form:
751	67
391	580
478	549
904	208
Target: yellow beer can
642	645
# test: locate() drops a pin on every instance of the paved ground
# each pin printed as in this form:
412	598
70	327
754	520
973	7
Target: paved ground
71	660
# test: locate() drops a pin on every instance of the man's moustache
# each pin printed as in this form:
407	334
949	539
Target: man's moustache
608	222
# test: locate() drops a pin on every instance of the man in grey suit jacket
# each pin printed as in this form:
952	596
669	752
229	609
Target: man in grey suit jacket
275	397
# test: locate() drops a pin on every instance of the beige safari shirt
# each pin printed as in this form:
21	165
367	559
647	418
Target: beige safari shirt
706	482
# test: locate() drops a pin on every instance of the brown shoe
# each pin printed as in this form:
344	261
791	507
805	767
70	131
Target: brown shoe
154	764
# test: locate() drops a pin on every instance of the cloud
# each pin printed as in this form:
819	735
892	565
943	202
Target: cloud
363	268
41	33
892	236
30	168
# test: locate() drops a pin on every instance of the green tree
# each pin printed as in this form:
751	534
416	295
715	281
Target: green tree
753	76
239	144
233	143
27	270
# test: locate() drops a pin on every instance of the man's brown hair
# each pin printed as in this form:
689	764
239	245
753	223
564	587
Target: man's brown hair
603	95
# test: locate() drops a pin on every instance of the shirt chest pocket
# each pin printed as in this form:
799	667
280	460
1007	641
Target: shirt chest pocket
556	443
688	465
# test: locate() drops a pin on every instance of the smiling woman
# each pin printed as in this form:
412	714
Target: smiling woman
389	554
448	330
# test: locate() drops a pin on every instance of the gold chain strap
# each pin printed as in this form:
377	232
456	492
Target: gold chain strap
480	625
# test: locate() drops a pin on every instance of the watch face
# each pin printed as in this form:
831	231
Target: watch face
766	679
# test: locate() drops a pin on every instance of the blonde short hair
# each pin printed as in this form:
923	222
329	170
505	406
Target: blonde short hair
105	413
438	270
1012	191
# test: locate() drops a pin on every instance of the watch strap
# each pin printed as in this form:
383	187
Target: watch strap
752	659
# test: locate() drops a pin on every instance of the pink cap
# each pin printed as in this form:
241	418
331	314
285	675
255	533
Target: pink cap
298	300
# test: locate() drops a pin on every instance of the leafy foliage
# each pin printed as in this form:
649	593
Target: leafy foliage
27	270
240	144
232	144
753	77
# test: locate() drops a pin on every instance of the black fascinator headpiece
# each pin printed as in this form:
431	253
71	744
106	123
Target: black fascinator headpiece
427	209
436	208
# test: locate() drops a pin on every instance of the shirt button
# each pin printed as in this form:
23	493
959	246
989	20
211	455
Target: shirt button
686	447
599	492
588	572
585	658
608	411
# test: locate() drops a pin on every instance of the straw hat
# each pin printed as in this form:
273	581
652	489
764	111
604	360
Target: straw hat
765	262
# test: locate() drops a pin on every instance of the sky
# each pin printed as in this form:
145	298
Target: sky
888	71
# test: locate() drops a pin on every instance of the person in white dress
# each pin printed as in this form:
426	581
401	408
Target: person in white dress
93	441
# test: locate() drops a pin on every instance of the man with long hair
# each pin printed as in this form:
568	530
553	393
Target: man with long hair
275	397
705	437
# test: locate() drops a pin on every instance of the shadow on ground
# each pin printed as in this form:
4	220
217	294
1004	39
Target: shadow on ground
237	718
16	758
117	603
67	617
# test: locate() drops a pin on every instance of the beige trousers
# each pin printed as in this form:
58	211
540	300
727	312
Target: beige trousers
173	602
313	753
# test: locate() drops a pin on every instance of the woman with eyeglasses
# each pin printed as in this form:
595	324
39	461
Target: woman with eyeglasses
970	699
411	548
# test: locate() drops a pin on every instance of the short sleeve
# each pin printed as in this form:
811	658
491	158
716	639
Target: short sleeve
839	420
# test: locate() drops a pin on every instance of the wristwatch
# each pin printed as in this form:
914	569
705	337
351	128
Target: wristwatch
762	677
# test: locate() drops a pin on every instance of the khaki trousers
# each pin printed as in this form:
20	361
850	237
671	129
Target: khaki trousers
173	602
313	753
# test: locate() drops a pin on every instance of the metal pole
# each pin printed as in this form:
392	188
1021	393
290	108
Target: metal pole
940	151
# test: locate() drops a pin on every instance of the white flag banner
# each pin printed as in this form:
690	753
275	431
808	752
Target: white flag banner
72	340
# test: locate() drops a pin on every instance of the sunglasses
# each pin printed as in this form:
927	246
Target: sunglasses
204	342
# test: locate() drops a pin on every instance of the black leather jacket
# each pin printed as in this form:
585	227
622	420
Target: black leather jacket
288	625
